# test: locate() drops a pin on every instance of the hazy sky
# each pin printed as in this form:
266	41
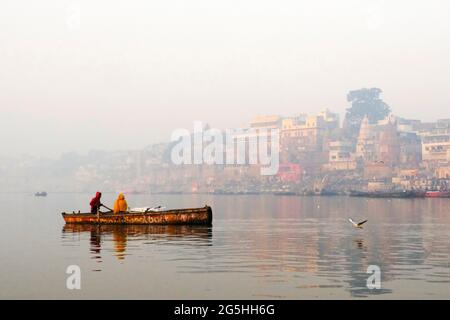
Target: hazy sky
92	74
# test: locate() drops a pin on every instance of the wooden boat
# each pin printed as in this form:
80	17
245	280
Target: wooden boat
195	216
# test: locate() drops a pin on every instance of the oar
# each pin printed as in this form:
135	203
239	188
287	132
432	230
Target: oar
107	208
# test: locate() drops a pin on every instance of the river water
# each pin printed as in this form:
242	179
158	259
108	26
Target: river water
259	247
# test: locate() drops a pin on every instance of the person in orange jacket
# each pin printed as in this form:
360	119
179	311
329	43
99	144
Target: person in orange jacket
121	204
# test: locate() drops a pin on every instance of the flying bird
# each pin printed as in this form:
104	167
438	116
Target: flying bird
357	225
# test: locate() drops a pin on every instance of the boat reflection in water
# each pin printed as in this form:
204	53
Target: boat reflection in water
137	237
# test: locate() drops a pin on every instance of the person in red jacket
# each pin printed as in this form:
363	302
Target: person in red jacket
96	203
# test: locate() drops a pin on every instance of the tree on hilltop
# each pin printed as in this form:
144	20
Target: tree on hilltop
364	102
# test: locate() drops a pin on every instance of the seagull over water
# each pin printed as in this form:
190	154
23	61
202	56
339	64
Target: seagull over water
357	225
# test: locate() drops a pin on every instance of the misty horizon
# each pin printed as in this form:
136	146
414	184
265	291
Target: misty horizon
79	76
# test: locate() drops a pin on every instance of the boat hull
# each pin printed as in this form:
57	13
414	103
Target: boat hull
437	194
395	194
196	216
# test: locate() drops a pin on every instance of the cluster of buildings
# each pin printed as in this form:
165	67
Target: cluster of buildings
391	153
317	154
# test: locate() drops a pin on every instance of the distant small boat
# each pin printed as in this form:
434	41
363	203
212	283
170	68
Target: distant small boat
40	194
328	193
437	194
285	193
196	216
388	194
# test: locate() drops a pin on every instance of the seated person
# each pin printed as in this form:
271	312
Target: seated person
121	204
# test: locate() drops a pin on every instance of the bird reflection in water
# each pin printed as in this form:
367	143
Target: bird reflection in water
120	235
360	244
